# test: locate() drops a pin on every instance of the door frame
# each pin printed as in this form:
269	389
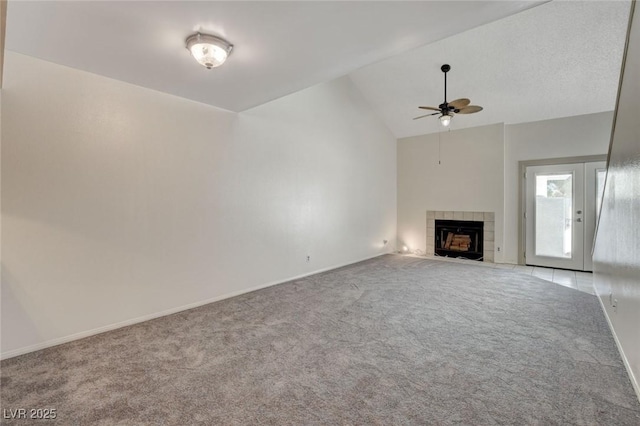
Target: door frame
522	168
590	198
576	228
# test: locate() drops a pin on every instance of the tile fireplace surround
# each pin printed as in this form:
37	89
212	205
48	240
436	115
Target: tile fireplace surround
489	228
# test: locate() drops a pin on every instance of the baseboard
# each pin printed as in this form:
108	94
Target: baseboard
625	361
137	320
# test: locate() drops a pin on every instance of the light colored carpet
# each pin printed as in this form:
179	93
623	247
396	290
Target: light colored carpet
393	340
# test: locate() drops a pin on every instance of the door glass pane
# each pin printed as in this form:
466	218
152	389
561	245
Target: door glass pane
600	175
553	215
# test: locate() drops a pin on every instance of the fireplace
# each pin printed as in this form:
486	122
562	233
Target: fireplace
459	238
488	231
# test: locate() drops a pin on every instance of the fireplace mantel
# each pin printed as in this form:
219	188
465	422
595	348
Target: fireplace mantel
489	229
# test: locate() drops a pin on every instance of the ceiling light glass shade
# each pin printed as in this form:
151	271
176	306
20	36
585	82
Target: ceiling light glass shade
445	120
210	51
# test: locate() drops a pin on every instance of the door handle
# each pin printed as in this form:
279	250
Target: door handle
579	212
579	220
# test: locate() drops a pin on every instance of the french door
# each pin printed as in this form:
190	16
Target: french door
560	214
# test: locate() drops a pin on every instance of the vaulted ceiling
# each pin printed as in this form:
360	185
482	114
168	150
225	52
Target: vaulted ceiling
520	60
559	59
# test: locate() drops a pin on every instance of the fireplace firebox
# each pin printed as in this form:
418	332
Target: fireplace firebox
459	238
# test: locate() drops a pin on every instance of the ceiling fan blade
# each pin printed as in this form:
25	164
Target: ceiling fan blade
427	115
431	108
470	109
460	103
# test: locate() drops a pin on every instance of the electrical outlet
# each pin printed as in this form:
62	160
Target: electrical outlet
498	248
308	258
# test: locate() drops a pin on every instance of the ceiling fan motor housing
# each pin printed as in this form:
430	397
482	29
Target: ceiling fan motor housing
446	107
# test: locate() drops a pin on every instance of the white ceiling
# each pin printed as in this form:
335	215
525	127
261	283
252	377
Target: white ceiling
558	59
520	62
280	47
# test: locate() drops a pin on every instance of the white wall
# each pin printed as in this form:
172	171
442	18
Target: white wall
563	137
617	247
487	176
120	203
469	177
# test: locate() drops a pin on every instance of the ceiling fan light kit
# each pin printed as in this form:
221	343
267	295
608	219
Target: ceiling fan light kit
447	110
210	51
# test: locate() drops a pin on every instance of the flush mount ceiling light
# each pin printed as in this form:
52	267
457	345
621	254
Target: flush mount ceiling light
210	51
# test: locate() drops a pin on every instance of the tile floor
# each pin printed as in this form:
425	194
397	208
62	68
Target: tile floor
582	281
578	280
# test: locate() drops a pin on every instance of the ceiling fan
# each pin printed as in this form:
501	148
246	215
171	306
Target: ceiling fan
449	109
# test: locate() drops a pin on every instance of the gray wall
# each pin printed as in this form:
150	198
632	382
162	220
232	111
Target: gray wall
617	248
